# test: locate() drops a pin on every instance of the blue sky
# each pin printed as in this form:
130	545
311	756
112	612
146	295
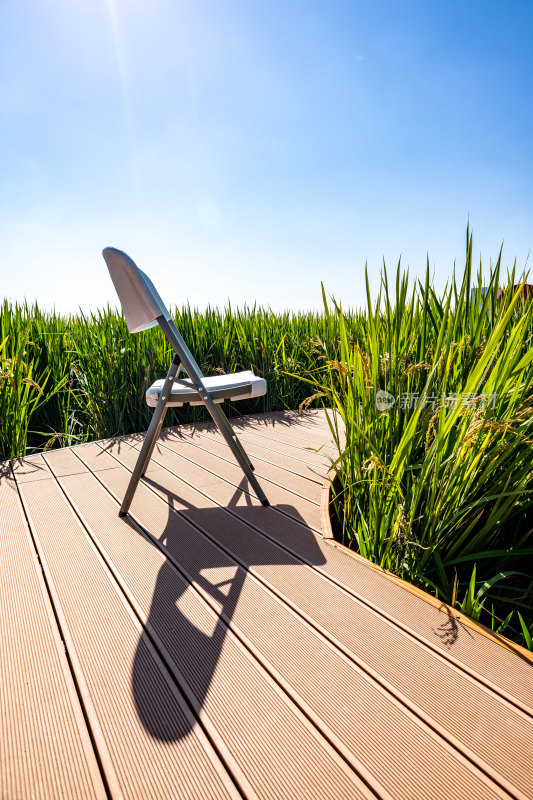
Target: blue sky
248	150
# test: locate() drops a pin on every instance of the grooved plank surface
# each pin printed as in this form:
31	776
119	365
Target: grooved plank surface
45	748
268	739
104	636
353	627
269	625
217	648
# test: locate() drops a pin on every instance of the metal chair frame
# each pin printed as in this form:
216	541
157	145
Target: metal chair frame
143	308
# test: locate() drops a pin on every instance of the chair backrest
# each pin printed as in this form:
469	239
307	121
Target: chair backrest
137	294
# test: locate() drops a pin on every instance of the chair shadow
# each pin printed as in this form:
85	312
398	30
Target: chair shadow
270	419
273	419
190	636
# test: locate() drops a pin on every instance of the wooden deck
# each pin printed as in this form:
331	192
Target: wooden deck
207	647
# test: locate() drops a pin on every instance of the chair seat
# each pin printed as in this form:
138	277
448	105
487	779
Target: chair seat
236	386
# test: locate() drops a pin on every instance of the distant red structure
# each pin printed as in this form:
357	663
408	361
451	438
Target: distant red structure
527	289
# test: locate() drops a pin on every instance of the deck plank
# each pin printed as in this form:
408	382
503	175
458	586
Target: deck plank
285	490
309	429
310	465
354	629
45	748
223	649
376	733
102	635
224	682
276	467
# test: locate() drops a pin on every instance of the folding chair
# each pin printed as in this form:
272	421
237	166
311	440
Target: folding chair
143	308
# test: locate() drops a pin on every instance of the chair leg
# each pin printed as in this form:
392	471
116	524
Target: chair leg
229	427
221	421
241	448
219	418
150	439
154	441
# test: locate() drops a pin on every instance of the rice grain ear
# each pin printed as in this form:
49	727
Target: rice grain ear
308	400
454	590
50	443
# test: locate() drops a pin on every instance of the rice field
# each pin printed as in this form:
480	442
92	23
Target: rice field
72	379
434	477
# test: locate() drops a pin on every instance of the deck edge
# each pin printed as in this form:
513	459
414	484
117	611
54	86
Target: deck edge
327	535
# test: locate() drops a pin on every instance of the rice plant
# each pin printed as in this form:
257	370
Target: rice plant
432	411
25	384
85	377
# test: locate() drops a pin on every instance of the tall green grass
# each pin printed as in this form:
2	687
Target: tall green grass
432	412
70	379
27	380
